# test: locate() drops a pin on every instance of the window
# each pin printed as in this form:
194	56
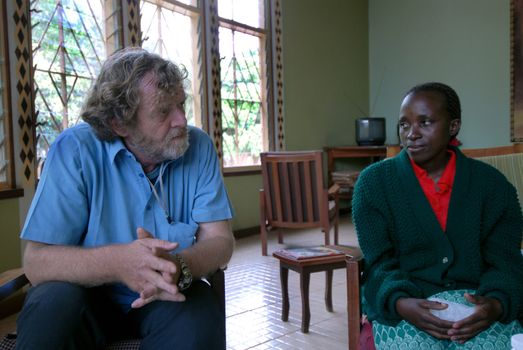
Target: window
242	38
225	45
7	179
70	41
170	29
179	30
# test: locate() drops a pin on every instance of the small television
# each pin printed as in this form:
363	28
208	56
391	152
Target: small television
370	131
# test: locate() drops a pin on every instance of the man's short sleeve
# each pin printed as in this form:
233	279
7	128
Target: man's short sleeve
211	202
58	212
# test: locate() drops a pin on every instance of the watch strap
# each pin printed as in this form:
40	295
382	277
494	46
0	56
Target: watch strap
185	278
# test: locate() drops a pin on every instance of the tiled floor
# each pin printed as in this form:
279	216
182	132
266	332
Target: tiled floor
254	298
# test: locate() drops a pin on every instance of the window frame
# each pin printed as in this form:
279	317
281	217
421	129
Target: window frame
24	168
263	36
195	12
113	40
7	188
208	50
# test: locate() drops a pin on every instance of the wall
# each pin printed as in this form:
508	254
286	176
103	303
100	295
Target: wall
326	84
10	255
325	71
325	62
465	44
332	63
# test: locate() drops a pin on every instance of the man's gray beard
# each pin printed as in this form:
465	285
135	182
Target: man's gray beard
177	150
167	150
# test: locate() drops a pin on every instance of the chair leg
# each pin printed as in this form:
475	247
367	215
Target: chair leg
337	219
263	222
328	290
336	224
280	236
263	234
305	308
353	304
284	281
327	230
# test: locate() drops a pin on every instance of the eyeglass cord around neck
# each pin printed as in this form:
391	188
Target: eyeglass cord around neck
163	200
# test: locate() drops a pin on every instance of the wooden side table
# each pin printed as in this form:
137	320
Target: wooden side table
305	267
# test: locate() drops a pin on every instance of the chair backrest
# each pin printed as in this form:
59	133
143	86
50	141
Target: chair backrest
508	160
294	193
493	151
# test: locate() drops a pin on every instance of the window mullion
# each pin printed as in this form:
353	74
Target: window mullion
275	74
113	25
212	64
7	171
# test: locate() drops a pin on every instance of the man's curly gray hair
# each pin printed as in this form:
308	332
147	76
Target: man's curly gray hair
114	96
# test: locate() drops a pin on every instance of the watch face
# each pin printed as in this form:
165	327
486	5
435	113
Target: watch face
184	282
185	278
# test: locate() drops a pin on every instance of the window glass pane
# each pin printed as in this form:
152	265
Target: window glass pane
68	50
249	12
189	2
172	32
243	102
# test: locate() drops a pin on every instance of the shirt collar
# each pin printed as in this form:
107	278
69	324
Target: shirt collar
115	147
447	178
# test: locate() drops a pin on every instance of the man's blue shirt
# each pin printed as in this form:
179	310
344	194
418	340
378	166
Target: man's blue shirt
94	193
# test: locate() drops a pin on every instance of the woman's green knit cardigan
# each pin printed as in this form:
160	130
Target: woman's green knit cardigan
406	252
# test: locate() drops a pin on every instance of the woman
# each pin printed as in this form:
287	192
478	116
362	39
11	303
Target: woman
434	223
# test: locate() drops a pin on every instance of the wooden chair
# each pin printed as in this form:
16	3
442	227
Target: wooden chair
493	151
355	264
354	275
13	285
294	197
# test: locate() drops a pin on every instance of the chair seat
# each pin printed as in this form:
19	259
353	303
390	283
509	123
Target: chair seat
13	283
9	342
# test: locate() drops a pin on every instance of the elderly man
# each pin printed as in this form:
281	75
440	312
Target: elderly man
130	212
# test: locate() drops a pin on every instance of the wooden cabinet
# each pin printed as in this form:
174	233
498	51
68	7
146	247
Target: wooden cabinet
373	153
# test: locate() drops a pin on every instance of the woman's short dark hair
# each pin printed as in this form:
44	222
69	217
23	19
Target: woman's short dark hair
114	95
450	98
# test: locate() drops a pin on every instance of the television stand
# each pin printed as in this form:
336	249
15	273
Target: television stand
375	153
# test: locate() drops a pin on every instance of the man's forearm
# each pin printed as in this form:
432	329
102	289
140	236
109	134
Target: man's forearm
84	266
208	256
213	249
135	264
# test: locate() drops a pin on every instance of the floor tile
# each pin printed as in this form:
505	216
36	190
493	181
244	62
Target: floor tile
253	297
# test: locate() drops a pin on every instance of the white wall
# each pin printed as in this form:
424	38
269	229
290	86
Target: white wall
464	43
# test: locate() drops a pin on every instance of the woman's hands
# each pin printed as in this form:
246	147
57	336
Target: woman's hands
486	312
417	311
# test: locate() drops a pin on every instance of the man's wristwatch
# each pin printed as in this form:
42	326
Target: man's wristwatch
185	279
